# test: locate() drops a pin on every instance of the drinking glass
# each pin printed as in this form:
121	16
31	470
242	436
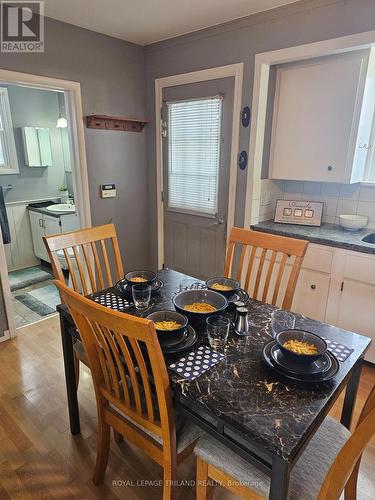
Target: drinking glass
217	331
141	296
282	320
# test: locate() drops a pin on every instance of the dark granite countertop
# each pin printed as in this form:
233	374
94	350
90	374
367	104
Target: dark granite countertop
40	207
259	407
327	234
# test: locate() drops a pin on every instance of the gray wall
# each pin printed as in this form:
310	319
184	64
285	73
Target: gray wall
239	41
34	108
111	73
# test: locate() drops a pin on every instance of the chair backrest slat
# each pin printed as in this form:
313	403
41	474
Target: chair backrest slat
269	275
87	258
344	470
268	264
124	356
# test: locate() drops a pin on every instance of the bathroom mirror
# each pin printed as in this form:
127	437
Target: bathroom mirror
37	146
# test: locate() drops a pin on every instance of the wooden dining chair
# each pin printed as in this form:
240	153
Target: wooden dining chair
132	388
329	464
87	256
268	266
88	260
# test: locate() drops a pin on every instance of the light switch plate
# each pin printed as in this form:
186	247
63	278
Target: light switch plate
108	191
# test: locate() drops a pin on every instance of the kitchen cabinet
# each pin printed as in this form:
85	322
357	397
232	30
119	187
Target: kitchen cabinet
45	225
322	118
311	294
337	286
37	232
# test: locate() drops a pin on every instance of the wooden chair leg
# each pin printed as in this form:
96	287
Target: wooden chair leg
169	481
203	489
104	434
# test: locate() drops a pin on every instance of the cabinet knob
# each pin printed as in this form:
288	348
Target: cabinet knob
329	168
313	287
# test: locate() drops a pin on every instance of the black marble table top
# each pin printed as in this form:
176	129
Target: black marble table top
274	414
327	234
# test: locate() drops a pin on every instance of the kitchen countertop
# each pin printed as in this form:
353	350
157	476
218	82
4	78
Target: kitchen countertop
327	234
40	207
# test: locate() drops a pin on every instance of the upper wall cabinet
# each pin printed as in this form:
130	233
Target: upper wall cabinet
322	119
37	146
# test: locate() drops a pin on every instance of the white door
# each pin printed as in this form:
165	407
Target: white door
197	120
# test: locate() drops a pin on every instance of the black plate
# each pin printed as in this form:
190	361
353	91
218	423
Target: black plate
167	342
319	366
239	296
123	286
315	378
184	345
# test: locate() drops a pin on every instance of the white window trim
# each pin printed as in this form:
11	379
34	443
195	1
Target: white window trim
10	152
369	174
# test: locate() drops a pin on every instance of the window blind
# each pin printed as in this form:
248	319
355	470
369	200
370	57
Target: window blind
194	154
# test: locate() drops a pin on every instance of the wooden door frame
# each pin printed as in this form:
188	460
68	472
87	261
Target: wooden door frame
263	62
73	103
231	70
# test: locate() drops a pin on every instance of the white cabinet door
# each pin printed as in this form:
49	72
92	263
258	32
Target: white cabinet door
357	311
310	298
51	225
37	232
316	118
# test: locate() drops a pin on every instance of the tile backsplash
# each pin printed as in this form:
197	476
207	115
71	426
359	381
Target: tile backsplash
338	198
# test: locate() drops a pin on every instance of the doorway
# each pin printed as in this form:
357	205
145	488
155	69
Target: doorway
49	169
197	121
234	71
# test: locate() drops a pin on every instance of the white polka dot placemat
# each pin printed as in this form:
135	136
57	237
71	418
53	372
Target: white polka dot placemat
193	364
112	301
339	350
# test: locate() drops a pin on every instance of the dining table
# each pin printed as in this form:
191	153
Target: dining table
265	418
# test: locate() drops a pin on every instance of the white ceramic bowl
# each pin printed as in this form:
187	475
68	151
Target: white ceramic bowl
353	222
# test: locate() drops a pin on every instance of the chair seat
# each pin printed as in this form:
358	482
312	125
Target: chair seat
307	475
186	432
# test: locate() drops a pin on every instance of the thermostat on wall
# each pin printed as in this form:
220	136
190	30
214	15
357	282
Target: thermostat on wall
108	190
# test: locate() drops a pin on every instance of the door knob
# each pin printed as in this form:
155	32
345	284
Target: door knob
218	222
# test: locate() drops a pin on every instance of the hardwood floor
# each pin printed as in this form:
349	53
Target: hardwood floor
40	459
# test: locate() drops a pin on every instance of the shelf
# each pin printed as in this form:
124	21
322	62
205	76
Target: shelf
121	123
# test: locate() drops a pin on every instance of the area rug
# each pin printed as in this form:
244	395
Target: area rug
29	276
42	301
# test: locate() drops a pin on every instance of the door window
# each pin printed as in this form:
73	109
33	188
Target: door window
194	155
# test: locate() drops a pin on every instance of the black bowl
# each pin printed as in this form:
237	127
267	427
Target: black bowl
302	336
208	296
181	319
149	276
234	284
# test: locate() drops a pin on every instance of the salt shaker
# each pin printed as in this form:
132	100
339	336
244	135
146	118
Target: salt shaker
241	325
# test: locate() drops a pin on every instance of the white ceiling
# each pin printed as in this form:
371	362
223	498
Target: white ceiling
147	21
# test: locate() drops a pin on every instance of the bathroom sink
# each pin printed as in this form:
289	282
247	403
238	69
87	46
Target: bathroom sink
370	238
62	207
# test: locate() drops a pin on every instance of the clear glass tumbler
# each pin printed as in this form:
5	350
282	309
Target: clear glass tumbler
141	296
282	320
217	331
